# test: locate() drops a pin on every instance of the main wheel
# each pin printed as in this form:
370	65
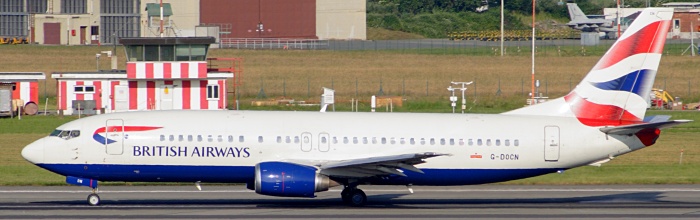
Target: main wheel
357	198
345	195
93	199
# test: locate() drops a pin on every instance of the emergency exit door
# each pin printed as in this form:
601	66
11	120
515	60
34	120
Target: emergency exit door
551	143
114	136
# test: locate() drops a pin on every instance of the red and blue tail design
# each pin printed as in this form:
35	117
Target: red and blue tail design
616	90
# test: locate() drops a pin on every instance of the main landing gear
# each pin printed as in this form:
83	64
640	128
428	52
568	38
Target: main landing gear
93	199
353	196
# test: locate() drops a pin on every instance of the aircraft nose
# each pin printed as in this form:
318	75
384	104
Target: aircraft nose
34	152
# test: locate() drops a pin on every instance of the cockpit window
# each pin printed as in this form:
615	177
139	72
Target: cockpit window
55	133
65	134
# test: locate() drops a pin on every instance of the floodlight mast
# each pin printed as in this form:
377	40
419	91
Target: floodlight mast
463	89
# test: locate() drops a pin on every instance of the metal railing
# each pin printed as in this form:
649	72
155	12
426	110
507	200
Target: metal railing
273	43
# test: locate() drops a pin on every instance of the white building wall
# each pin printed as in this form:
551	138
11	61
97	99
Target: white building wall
341	19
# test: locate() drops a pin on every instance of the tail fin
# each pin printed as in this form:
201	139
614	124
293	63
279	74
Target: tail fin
575	12
616	90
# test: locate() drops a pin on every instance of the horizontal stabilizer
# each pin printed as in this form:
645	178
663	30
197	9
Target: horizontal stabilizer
633	129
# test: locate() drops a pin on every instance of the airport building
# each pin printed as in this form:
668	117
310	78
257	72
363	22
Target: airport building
161	74
90	22
20	89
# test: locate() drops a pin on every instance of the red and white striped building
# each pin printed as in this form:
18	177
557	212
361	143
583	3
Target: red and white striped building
25	85
145	85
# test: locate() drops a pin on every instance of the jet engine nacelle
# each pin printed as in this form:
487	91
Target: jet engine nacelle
289	180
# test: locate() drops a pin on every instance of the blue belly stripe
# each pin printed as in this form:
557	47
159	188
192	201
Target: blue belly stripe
243	174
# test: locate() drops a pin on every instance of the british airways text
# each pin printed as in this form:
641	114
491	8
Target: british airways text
179	151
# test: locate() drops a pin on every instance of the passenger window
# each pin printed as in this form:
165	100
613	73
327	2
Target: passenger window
189	138
516	142
442	141
452	141
507	142
171	138
392	141
470	142
230	138
74	133
374	140
355	140
488	142
162	137
403	141
287	140
412	141
432	141
498	142
324	140
461	142
296	139
219	138
365	140
279	139
306	139
260	139
478	142
241	139
422	141
383	140
335	140
199	138
346	140
180	138
210	138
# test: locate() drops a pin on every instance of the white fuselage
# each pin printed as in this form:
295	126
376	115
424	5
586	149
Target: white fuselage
224	146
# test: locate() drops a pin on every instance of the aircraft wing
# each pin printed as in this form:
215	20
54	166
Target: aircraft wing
633	129
376	166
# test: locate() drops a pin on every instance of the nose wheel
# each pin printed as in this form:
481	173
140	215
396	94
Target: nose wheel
93	199
353	196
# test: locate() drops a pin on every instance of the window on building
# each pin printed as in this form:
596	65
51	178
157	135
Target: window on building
73	6
182	53
152	53
198	52
135	52
167	52
213	91
82	89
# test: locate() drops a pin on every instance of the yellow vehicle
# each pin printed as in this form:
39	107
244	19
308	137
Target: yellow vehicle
661	99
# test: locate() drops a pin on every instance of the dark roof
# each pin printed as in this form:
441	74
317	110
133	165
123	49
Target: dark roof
166	40
154	9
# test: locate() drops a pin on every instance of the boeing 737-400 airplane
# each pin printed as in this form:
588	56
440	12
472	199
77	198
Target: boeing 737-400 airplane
296	154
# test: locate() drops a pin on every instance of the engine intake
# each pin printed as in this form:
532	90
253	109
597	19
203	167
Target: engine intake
289	180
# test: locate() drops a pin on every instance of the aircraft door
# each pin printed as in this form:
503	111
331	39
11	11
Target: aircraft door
114	136
551	143
306	142
324	140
